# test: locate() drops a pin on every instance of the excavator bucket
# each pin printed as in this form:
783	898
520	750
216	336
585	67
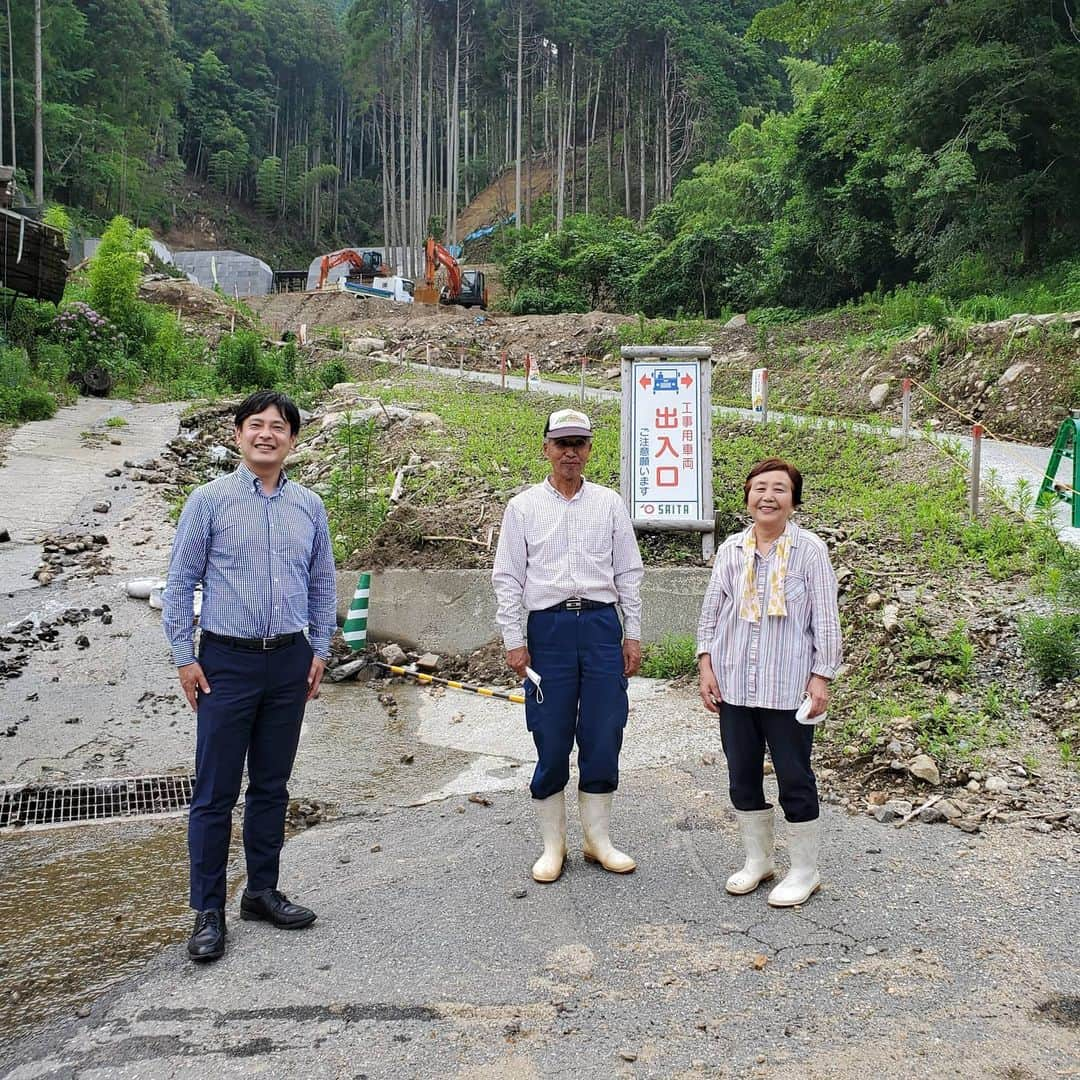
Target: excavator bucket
426	294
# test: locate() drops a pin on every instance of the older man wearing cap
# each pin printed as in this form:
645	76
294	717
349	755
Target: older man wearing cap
567	556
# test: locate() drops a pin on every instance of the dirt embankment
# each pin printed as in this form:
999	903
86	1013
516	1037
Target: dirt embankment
1018	377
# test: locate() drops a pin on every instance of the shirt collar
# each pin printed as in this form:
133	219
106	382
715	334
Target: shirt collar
252	481
550	487
791	530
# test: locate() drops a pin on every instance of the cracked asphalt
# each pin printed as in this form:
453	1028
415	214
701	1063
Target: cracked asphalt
928	953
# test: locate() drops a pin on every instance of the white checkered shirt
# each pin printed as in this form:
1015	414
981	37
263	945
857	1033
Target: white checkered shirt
768	663
552	549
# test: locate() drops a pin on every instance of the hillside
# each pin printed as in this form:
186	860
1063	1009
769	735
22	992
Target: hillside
495	203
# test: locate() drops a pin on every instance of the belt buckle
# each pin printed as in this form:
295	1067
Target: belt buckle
574	604
268	644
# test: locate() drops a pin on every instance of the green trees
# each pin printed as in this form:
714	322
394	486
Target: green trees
931	142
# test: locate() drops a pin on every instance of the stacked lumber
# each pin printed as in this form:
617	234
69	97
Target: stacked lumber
33	257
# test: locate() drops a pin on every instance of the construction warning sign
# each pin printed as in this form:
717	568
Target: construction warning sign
666	467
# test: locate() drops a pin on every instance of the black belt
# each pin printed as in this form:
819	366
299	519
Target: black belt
578	603
254	644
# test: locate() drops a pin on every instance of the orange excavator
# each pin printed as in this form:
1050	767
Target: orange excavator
366	265
464	287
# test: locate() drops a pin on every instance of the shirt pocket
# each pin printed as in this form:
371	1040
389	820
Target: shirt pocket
598	539
795	589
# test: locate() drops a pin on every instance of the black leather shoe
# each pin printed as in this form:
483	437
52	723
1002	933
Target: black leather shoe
274	907
207	942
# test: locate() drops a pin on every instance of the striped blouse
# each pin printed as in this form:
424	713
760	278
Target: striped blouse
768	663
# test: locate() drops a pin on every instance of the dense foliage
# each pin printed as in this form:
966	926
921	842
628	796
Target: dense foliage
348	120
939	144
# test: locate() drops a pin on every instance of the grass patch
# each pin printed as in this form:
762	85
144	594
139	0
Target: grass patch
1051	645
673	657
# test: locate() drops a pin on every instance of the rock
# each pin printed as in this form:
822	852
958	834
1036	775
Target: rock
362	346
1013	373
973	785
629	1055
996	784
346	671
878	393
429	420
394	655
893	810
612	373
873	600
428	662
113	473
843	576
890	618
949	809
519	893
923	767
735	322
931	815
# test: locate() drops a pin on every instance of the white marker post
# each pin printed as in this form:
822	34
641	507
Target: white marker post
976	465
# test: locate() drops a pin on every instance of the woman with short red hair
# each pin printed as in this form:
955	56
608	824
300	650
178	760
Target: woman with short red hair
768	645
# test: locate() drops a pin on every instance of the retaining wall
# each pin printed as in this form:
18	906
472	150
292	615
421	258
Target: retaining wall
453	611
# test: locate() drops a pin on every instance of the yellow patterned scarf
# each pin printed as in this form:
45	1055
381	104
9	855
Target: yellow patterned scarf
749	604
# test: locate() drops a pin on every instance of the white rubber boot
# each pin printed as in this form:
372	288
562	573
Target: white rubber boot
552	811
802	881
595	811
756	830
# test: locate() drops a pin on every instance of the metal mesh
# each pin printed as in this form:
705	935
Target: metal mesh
27	806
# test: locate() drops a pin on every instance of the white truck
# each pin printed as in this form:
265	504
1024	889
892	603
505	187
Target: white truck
394	288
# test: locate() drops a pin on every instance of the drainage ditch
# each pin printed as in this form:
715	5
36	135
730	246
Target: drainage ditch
42	806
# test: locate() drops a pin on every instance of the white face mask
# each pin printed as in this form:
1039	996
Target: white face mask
534	678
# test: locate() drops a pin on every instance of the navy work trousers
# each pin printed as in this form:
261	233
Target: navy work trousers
254	710
578	655
744	732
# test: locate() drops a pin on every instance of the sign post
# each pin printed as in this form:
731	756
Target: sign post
666	458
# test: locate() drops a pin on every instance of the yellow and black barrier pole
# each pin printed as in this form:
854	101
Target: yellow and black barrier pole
515	696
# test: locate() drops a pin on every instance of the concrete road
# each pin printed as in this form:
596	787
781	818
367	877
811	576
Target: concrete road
928	953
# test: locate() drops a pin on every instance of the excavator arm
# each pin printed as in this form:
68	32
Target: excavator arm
435	255
369	263
336	259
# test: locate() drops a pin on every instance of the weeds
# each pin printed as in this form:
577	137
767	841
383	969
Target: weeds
1051	645
673	657
355	505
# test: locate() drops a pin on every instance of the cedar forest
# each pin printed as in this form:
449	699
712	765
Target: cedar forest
705	155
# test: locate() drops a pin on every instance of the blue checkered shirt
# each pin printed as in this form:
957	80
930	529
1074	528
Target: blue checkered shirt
265	563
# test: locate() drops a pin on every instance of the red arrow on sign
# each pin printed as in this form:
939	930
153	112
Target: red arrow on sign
645	381
686	380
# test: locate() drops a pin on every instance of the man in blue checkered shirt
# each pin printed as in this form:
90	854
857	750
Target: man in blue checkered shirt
259	545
